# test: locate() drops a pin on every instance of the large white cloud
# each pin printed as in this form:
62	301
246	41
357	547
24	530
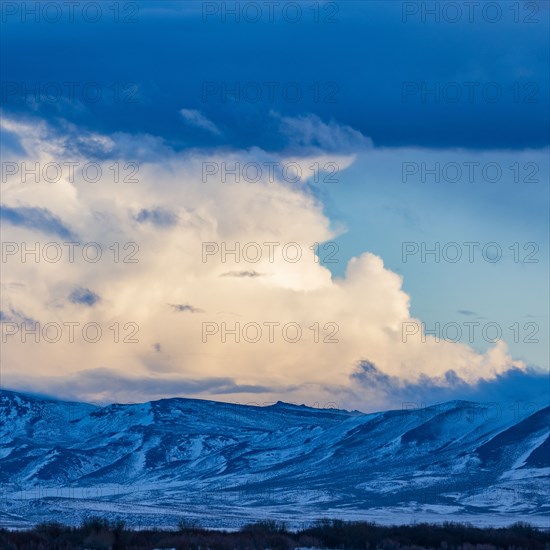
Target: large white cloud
173	290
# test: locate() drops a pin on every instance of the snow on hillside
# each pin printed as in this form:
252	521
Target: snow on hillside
226	464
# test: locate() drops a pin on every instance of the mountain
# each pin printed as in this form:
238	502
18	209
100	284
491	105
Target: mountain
225	464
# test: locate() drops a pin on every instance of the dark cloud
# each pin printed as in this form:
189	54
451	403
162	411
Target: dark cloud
250	274
92	382
15	316
157	216
180	308
467	312
38	219
370	99
514	386
84	296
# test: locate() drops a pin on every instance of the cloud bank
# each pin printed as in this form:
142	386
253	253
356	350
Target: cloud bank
199	245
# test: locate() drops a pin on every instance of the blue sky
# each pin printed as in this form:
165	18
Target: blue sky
369	52
367	87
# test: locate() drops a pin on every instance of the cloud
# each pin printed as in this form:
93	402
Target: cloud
249	274
180	308
101	385
260	227
10	315
61	139
511	389
93	146
36	219
84	296
14	316
467	312
198	120
309	131
158	216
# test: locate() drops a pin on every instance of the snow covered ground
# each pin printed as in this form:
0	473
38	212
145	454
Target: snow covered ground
224	465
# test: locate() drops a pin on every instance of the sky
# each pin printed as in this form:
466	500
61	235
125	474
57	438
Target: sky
335	203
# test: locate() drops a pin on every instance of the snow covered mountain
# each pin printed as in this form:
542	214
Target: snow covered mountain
225	464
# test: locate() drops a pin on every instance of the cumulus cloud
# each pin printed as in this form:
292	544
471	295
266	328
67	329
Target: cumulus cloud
295	335
197	119
518	391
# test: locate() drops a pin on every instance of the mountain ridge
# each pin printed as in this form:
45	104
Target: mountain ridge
227	463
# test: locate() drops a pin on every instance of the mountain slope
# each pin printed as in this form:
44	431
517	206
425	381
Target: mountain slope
152	462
